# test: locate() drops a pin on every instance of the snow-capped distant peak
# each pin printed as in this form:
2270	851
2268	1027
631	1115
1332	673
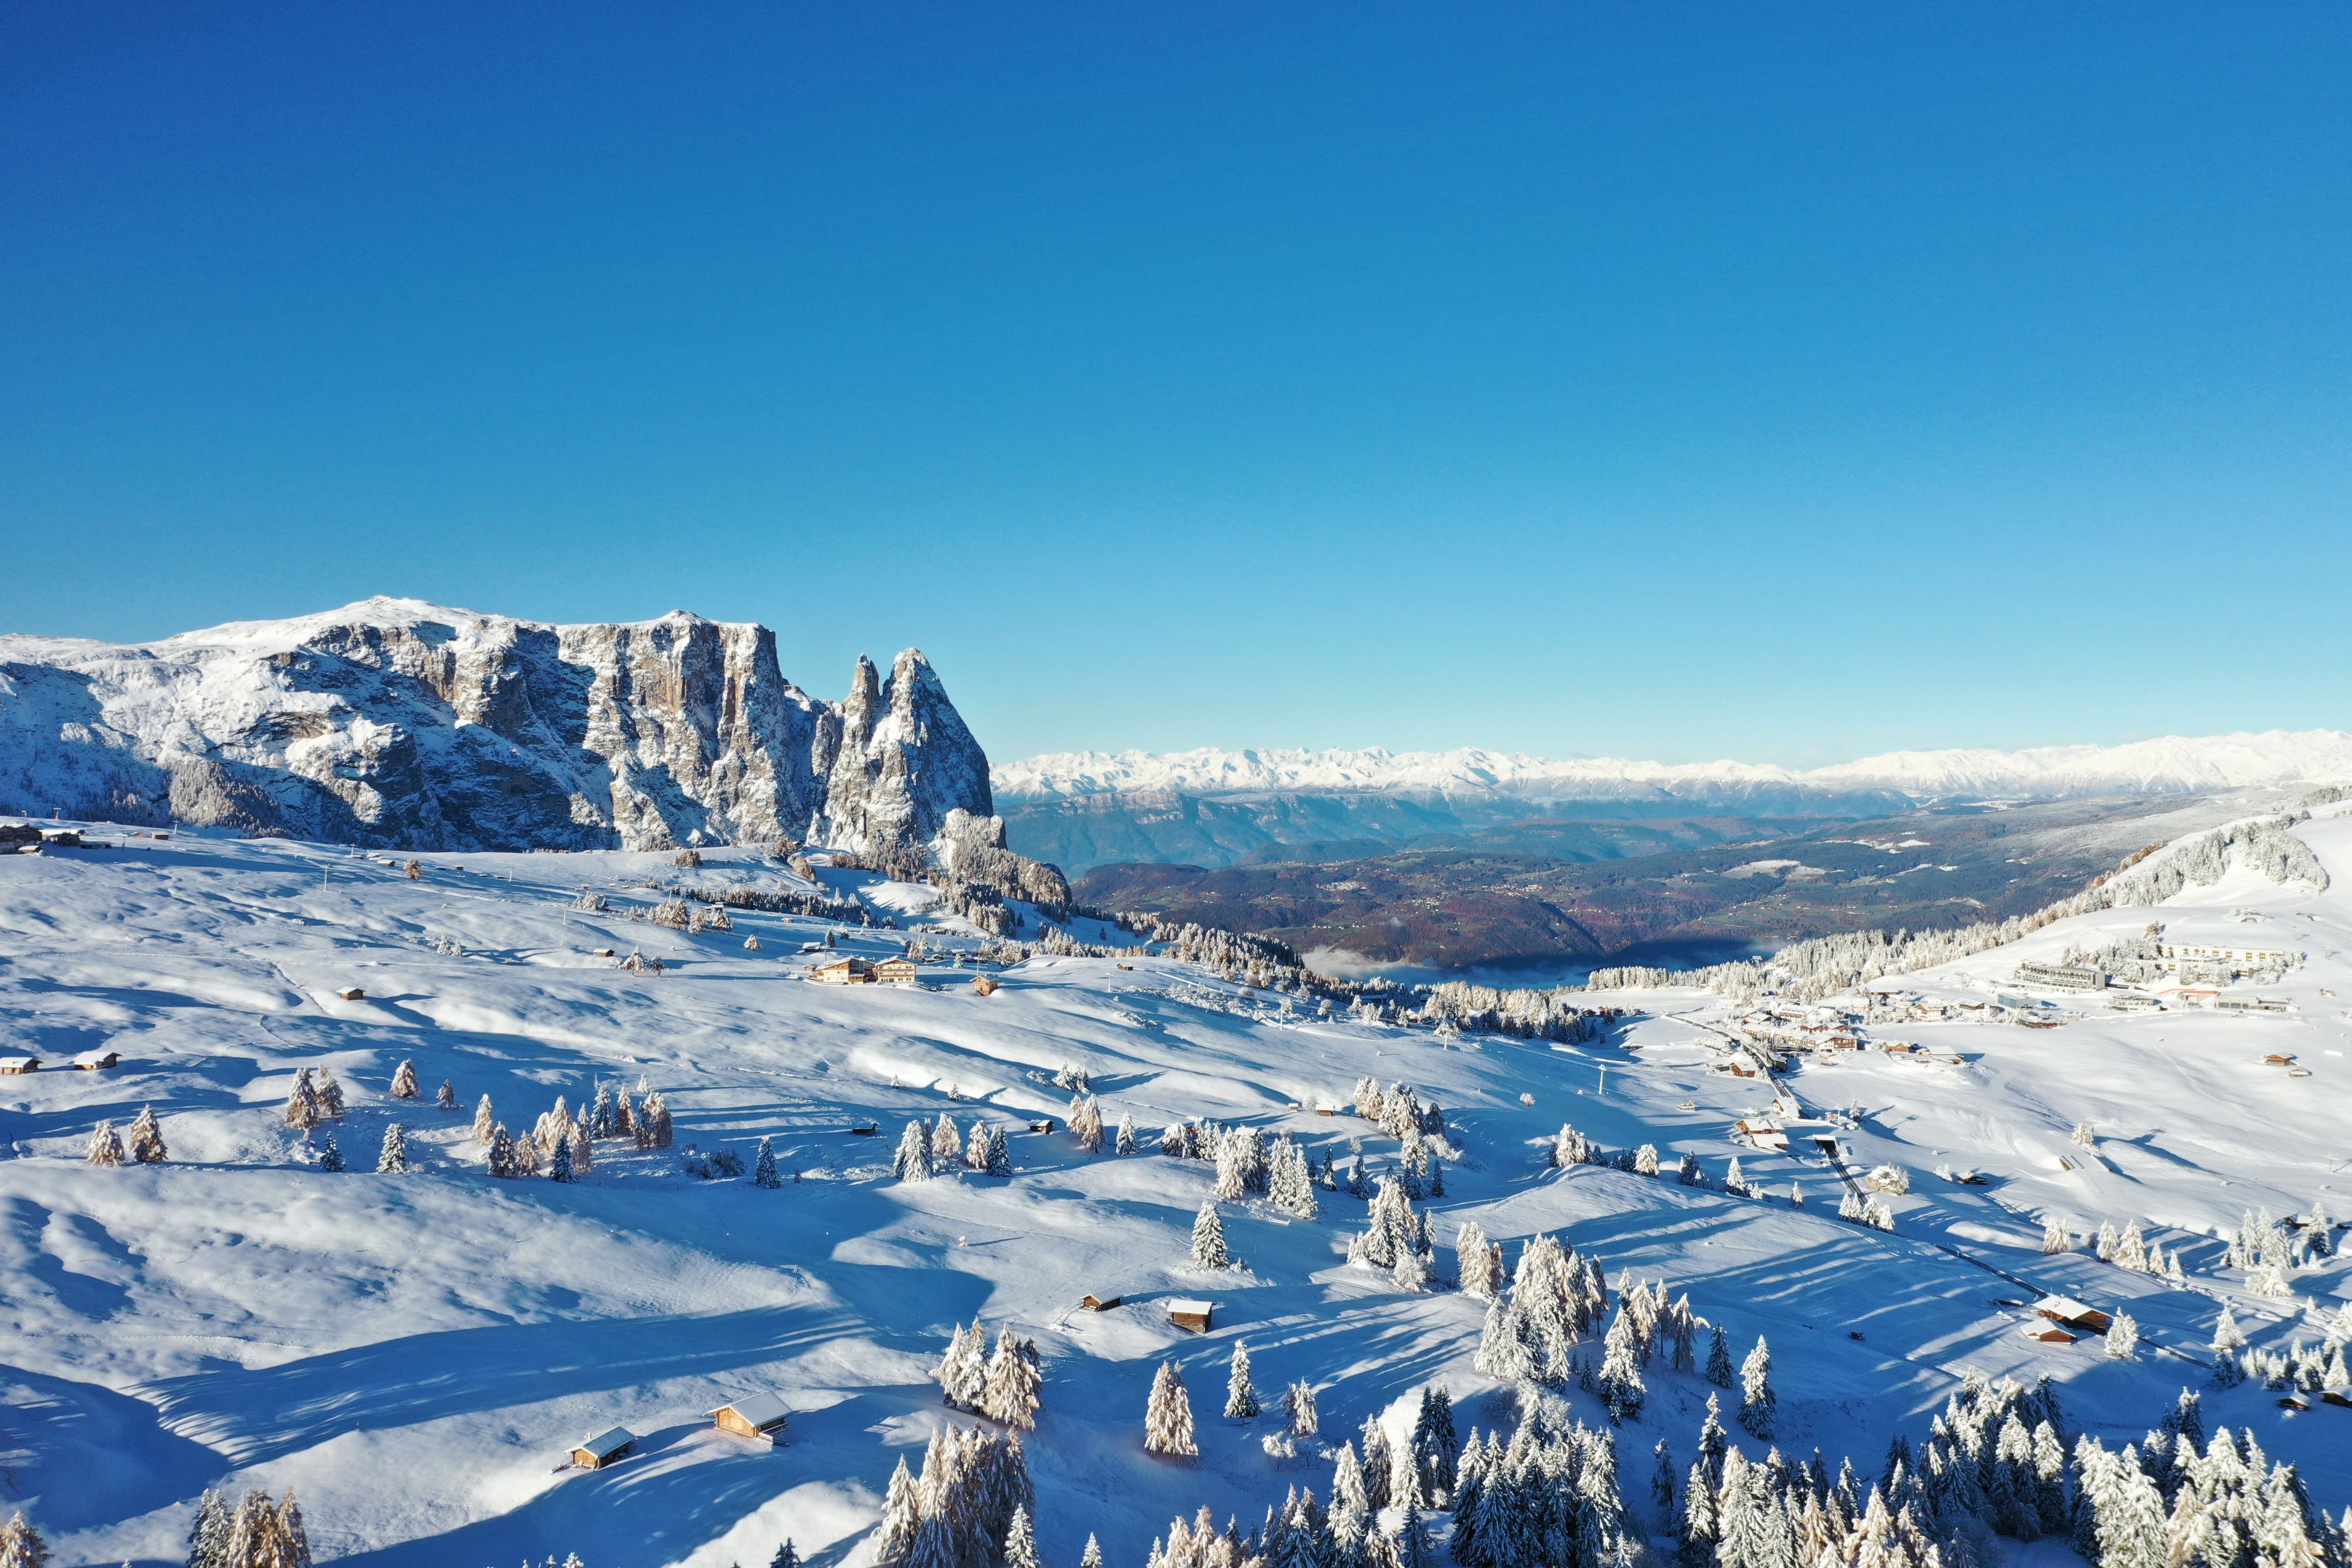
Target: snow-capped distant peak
2174	764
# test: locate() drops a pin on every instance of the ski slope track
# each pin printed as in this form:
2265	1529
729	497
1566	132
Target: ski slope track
413	1354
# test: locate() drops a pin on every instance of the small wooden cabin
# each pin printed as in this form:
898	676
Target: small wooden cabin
844	972
1191	1315
98	1061
984	984
2278	1059
896	972
352	994
13	1065
761	1416
1098	1303
604	1449
2073	1314
2050	1334
1042	1125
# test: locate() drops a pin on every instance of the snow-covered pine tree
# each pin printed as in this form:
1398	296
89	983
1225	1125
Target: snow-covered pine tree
1435	1443
656	1119
1168	1418
787	1555
393	1159
1757	1404
330	1093
330	1156
147	1138
2123	1338
558	1164
1619	1385
763	1168
1092	1556
404	1081
105	1146
21	1545
946	1144
1645	1160
1298	1416
1209	1251
1718	1357
1241	1395
447	1100
1379	1464
1289	1183
1016	1374
302	1102
2107	1242
902	1517
2055	1238
1020	1542
1125	1144
914	1161
208	1536
2131	1248
963	1371
999	1153
1477	1264
503	1154
1734	1180
485	1122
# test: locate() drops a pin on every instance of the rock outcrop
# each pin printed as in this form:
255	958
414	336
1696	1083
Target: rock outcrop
396	723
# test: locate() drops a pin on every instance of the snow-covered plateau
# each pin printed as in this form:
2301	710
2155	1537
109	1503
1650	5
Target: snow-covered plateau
413	1354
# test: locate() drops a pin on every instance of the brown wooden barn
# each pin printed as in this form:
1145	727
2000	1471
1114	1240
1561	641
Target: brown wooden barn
604	1449
761	1416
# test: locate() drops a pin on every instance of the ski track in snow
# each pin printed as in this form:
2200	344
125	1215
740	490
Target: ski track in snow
413	1354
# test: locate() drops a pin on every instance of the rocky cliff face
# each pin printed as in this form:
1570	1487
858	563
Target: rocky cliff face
399	724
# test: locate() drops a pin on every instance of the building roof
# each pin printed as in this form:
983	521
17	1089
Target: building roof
606	1444
92	1057
2066	1309
757	1409
1186	1304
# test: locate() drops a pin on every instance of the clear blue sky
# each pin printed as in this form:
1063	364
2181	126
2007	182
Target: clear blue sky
1780	383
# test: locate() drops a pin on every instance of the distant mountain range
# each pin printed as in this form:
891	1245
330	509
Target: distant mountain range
1217	808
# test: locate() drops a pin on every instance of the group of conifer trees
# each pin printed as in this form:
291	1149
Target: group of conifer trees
255	1533
1004	1387
927	1149
972	1503
561	1145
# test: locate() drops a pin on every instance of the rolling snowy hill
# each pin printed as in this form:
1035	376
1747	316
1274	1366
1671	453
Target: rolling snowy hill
413	1354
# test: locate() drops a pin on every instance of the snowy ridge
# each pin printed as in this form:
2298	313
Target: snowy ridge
2172	765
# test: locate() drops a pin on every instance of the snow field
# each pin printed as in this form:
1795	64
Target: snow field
414	1353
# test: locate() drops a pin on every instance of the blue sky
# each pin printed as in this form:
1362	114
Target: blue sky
1781	383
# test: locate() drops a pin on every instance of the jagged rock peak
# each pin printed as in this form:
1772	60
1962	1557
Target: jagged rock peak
401	723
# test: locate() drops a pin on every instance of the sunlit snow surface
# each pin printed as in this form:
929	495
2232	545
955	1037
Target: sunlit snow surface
413	1354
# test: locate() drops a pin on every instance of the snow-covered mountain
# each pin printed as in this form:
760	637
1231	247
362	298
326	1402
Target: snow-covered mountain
2172	765
401	724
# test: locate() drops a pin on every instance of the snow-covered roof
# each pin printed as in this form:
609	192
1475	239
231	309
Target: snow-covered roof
1186	1304
606	1444
757	1409
96	1058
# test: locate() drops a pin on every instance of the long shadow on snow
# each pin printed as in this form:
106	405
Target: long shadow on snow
90	1454
261	1414
681	1491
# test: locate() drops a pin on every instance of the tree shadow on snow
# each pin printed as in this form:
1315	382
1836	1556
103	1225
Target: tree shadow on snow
256	1415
